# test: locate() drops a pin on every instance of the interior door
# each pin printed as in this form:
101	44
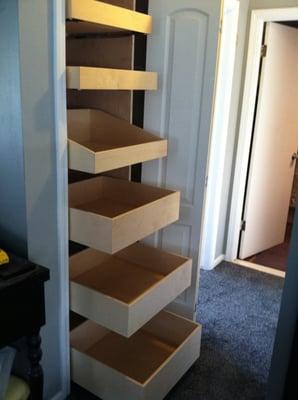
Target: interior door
183	49
275	141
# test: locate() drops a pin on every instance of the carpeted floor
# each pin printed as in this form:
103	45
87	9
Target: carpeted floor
239	310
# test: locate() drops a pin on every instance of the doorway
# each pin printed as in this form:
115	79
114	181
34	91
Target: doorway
266	217
265	185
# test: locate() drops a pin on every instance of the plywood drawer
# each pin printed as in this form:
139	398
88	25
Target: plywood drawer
109	214
92	78
92	16
124	291
144	367
98	142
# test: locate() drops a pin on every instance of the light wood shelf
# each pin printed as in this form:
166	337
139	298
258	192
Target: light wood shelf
90	16
98	142
92	78
124	291
110	214
144	367
129	348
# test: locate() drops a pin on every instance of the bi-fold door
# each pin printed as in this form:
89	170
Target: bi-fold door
183	49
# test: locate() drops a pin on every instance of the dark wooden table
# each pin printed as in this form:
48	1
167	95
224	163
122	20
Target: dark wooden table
22	314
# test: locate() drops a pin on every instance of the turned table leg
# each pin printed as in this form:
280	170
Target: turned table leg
35	370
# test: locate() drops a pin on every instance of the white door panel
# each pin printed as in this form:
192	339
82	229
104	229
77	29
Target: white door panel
183	50
275	140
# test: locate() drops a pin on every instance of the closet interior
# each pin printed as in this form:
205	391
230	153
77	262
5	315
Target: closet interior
126	345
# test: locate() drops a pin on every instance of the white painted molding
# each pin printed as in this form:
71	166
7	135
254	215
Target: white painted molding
219	259
59	77
277	14
250	90
59	396
214	263
219	135
258	18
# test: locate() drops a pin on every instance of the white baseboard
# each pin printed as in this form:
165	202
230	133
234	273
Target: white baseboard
214	263
62	395
59	396
218	260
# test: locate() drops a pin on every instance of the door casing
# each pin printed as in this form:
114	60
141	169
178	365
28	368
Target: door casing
258	19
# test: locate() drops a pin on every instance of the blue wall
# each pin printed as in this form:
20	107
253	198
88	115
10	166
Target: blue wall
13	230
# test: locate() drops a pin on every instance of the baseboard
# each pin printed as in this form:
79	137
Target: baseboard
62	395
218	260
214	263
59	396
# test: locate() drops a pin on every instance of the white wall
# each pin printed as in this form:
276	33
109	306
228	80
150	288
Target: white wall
44	167
246	6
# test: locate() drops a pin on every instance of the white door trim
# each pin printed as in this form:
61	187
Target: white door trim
258	19
59	78
219	135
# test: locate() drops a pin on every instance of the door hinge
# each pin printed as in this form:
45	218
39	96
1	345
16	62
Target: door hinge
243	226
264	49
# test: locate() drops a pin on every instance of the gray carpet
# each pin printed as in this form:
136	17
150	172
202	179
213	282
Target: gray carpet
239	309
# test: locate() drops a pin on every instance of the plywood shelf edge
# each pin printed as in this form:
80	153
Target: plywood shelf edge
92	78
97	16
131	286
99	142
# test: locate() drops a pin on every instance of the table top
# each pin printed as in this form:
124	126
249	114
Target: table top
20	270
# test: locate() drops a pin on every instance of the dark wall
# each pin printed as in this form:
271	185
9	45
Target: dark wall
284	347
294	24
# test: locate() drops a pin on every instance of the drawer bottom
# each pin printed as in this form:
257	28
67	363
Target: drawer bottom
145	366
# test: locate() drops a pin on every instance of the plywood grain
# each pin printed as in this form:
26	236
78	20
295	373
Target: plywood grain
90	78
144	367
124	291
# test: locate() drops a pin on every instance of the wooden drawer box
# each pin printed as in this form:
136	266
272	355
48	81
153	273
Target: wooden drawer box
110	214
98	142
93	78
92	16
144	367
124	291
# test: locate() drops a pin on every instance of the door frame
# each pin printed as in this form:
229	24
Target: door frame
59	83
218	140
258	20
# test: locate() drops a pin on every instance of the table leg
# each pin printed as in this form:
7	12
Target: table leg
35	370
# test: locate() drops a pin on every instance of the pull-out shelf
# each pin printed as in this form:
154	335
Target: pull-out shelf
93	78
90	16
124	291
109	214
98	142
144	367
